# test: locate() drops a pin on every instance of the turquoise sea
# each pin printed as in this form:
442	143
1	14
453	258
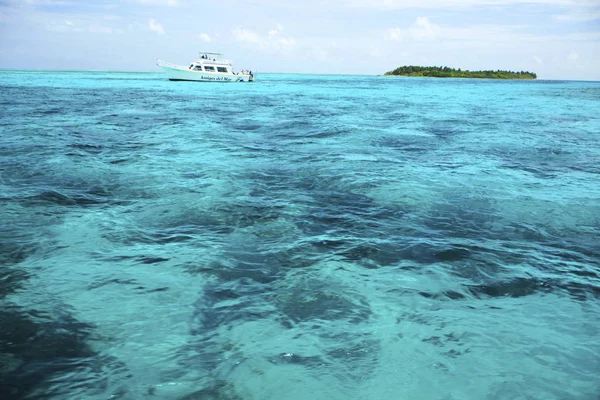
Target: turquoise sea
299	237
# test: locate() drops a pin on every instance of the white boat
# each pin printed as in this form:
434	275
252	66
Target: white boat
209	67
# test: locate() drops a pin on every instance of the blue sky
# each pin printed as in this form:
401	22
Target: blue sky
557	39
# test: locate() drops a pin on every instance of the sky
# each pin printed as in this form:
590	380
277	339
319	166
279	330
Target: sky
557	39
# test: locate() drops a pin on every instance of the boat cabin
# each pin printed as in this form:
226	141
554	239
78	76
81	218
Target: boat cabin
212	62
208	68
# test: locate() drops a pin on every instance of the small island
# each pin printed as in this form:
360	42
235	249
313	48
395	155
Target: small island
445	72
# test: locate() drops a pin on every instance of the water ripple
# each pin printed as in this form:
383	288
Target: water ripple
319	236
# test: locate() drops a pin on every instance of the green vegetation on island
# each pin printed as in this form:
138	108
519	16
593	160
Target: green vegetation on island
445	72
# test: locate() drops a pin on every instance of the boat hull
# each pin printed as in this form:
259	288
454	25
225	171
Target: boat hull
185	74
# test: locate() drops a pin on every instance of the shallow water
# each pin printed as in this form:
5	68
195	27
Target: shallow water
299	237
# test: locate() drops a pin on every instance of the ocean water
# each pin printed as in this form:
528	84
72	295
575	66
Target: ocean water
299	237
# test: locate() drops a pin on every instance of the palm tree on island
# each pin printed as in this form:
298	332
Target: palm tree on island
446	72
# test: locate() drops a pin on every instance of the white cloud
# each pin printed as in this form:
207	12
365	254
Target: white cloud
445	4
274	41
276	31
95	28
573	56
91	26
393	34
246	36
48	3
423	29
63	26
538	60
283	44
170	3
156	27
579	16
205	37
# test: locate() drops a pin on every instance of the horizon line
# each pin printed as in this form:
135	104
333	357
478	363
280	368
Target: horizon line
2	69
